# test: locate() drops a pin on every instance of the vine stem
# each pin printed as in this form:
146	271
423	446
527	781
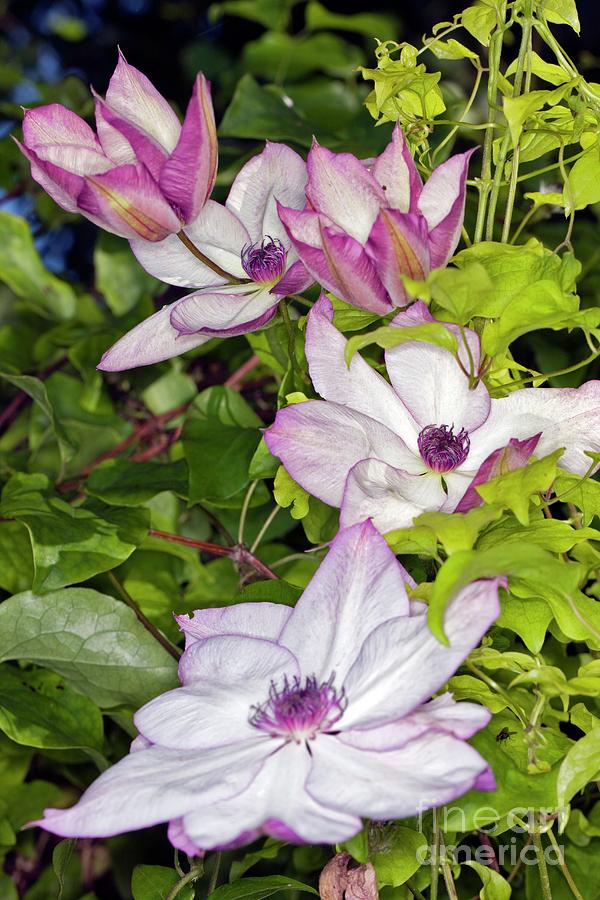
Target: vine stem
542	868
238	553
215	873
495	54
433	892
563	866
194	873
504	146
195	251
234	381
152	629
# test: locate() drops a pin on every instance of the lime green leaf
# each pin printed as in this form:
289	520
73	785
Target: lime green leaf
92	640
259	888
38	710
263	464
480	19
525	560
563	12
288	493
495	887
451	49
155	882
580	766
549	72
584	494
583	185
540	305
23	271
391	336
527	617
400	858
460	292
513	490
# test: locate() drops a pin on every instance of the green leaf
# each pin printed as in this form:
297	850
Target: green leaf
348	318
125	483
220	437
270	13
263	464
371	24
22	803
274	53
584	494
269	850
16	558
38	710
451	49
400	857
519	109
261	113
525	560
551	534
23	271
92	640
155	882
272	591
580	766
258	888
288	493
392	336
495	887
583	186
61	856
529	618
71	544
480	19
460	292
119	276
549	72
513	490
563	12
540	305
36	389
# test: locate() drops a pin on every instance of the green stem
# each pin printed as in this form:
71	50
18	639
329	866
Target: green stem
506	140
433	892
563	867
285	315
415	891
193	875
519	713
524	221
264	528
542	868
495	55
465	112
215	873
566	371
244	510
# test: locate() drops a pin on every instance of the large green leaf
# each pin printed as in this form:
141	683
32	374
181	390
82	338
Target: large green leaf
119	276
127	483
38	710
259	888
155	883
70	544
23	271
219	437
92	640
261	112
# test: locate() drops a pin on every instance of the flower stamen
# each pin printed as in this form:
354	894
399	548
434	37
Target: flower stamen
264	261
442	450
299	711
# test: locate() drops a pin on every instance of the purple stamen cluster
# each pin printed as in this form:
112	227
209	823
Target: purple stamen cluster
264	261
299	711
442	450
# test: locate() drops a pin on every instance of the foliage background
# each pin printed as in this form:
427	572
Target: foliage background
281	71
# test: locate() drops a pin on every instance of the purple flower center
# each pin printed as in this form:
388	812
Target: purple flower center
298	711
441	449
264	261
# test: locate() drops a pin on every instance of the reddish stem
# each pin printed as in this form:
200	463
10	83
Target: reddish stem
238	553
234	381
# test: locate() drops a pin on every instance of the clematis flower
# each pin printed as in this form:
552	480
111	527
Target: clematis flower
298	722
366	226
144	174
239	256
423	442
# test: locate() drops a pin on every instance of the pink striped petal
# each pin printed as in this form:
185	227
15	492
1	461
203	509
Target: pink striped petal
341	188
142	148
129	203
188	176
399	245
442	202
397	174
133	97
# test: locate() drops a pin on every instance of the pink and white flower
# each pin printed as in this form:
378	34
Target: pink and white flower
144	174
365	226
256	266
389	451
298	722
